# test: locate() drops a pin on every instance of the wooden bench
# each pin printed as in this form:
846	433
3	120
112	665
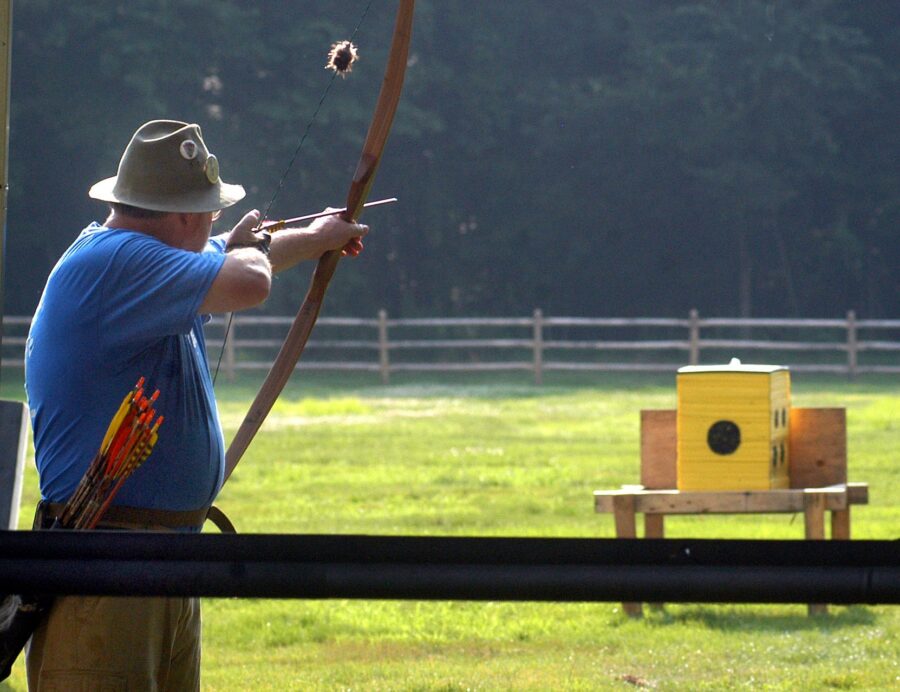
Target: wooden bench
818	474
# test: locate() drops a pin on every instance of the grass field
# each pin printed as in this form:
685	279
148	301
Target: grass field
498	456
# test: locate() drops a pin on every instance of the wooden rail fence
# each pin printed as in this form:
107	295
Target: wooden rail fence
542	343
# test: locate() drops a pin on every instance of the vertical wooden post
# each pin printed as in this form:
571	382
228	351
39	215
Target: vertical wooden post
814	520
814	515
229	345
623	513
852	344
626	527
654	527
840	524
384	363
538	346
694	337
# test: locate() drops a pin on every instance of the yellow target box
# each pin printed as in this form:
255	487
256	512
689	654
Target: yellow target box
732	424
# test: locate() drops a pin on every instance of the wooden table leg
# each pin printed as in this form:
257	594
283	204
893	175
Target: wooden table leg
840	524
814	519
626	527
654	527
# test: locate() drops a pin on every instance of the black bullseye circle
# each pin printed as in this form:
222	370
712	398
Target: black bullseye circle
724	437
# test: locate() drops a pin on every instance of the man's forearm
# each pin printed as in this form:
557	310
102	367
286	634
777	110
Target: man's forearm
291	246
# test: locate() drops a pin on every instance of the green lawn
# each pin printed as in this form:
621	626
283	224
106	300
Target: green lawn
496	455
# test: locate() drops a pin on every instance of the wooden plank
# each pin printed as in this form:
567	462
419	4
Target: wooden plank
770	322
643	345
857	493
615	322
776	345
701	502
818	447
726	502
658	448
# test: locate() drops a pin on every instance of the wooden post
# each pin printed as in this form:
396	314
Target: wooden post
626	527
654	527
384	363
840	524
852	344
814	515
623	512
538	345
694	337
229	345
814	520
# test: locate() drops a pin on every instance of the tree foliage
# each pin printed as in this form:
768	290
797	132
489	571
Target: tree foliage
618	157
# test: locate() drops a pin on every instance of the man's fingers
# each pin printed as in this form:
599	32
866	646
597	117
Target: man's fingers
353	247
242	233
249	221
338	233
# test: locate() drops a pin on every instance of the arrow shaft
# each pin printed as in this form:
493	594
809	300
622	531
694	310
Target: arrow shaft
278	225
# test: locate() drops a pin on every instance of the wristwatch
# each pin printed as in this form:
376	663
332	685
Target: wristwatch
265	240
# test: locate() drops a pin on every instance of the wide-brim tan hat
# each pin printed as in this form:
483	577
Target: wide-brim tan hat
167	167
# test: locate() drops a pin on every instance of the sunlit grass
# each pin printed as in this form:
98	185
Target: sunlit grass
499	456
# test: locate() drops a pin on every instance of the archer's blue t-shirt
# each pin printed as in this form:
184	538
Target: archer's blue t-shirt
117	306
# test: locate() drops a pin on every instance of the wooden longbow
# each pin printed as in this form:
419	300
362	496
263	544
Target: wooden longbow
302	326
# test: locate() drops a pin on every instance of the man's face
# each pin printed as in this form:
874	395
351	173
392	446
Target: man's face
199	228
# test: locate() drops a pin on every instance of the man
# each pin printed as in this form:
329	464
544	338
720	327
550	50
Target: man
128	299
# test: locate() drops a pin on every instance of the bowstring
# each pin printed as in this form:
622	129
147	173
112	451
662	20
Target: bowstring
280	186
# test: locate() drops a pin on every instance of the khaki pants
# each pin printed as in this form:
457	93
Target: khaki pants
107	644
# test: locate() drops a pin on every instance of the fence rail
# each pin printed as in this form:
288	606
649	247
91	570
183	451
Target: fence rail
542	343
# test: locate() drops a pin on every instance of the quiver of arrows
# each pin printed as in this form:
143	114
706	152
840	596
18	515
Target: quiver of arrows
130	438
128	442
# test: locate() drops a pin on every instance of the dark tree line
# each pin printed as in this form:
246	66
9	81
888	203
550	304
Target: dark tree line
587	157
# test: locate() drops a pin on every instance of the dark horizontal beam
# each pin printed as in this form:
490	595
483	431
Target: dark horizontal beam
449	568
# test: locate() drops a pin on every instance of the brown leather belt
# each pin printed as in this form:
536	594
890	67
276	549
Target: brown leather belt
140	518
